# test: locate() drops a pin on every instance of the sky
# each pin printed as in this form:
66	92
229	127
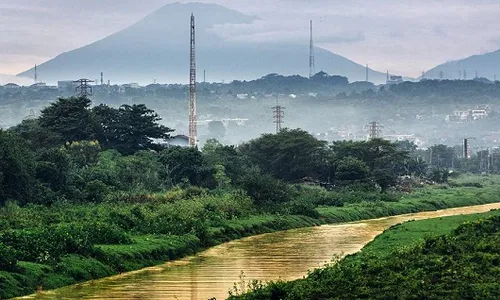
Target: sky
405	37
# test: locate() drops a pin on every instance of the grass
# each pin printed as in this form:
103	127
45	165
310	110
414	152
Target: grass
428	199
444	258
149	250
411	233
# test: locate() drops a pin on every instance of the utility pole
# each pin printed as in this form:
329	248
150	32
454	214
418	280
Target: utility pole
366	73
312	66
278	115
84	89
192	88
204	76
36	74
102	78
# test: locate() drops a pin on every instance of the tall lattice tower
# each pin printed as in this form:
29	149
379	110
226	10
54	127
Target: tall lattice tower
192	88
312	66
278	115
84	88
374	130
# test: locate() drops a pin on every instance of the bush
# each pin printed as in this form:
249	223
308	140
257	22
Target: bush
265	190
302	207
8	259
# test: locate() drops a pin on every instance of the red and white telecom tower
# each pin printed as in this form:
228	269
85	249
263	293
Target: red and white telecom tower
192	88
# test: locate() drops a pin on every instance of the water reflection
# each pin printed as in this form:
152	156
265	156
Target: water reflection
284	255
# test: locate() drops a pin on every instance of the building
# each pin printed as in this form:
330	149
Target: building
393	79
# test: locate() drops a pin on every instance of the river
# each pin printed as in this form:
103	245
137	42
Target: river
283	255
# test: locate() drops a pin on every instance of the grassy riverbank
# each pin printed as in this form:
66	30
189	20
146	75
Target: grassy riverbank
444	258
46	248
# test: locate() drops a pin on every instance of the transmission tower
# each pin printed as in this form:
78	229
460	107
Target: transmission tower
278	115
374	130
312	66
83	88
366	73
36	74
192	88
31	115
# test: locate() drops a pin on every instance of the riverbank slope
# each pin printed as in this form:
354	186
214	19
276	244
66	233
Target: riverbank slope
82	257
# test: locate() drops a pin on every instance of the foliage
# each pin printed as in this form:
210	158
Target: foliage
185	165
17	169
71	119
459	265
129	128
290	155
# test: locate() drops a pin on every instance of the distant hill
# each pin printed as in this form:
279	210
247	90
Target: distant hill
157	47
487	66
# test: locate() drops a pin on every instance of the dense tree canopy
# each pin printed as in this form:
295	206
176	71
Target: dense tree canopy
290	155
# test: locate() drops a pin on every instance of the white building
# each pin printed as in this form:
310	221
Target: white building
393	79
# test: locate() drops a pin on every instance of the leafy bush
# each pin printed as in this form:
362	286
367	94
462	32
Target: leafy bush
8	258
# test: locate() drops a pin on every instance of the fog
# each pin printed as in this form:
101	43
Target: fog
328	116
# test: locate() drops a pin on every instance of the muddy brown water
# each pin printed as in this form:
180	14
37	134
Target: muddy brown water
286	255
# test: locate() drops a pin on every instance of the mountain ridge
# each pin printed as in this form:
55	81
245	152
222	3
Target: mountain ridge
157	47
487	65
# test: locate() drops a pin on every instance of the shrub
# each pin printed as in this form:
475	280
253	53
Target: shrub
8	259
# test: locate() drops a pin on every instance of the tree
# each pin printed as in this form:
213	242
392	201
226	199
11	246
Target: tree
185	165
350	168
17	169
290	155
384	160
442	156
236	165
71	119
35	135
129	128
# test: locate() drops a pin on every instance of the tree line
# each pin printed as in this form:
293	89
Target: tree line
76	152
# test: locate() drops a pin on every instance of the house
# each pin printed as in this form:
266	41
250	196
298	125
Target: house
393	79
479	114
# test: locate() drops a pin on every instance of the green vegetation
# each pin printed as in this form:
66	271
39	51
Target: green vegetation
85	192
431	259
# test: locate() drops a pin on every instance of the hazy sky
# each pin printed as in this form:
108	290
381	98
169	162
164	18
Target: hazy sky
403	36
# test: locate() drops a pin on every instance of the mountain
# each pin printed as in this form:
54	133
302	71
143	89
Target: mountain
157	47
487	66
